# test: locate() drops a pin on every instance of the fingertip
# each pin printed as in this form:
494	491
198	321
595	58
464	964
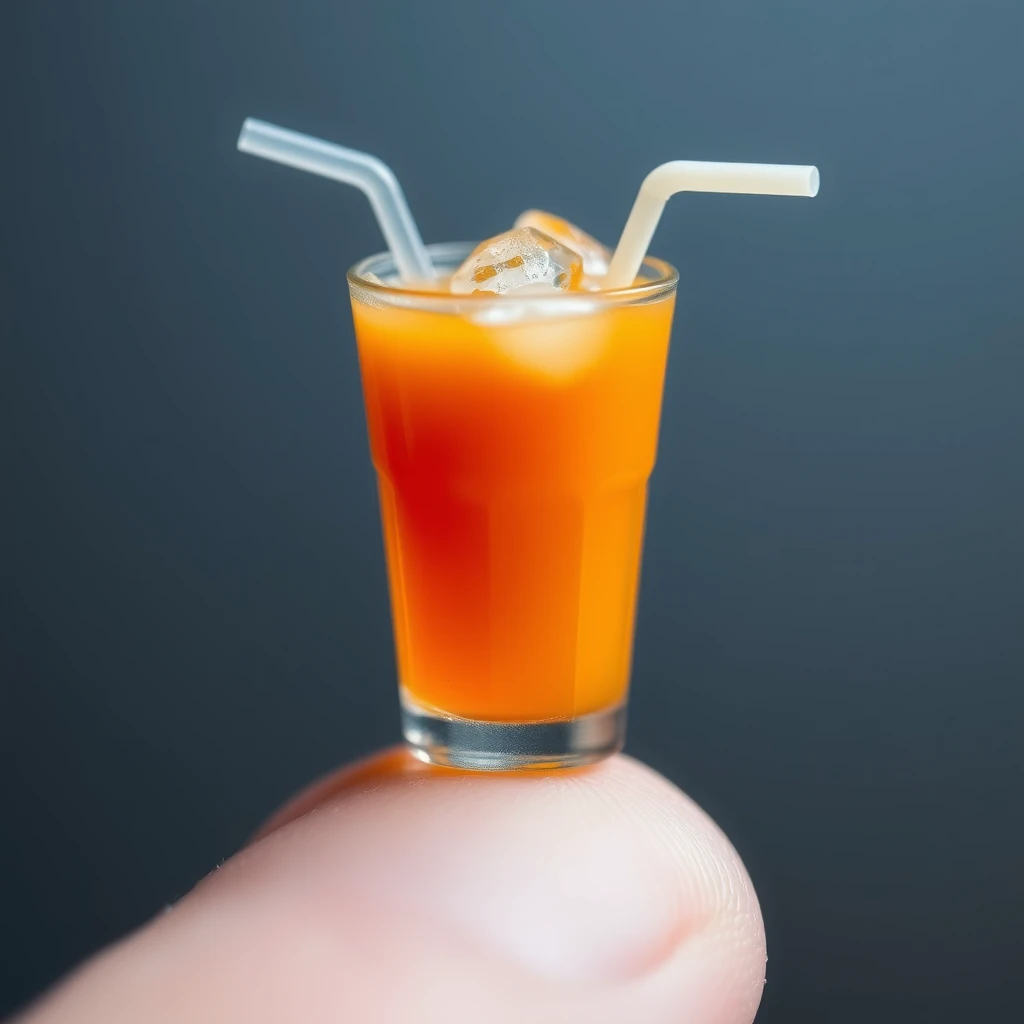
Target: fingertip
603	872
405	891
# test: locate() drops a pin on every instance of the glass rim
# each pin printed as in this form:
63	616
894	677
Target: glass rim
663	281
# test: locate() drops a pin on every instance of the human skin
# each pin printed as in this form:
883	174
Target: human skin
396	891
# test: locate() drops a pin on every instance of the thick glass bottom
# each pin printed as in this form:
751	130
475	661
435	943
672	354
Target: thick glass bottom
510	746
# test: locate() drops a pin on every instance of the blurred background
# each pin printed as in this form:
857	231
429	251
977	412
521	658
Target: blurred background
830	651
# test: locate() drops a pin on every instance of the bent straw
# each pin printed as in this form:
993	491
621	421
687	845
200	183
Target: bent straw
697	176
364	171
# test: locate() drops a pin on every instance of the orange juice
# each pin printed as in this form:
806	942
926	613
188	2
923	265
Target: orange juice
513	455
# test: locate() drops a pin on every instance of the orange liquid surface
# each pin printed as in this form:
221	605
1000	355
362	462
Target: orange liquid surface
513	463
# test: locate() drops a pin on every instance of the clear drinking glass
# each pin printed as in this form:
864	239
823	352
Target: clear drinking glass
513	437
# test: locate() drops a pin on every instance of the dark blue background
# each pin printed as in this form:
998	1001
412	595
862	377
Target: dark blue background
830	652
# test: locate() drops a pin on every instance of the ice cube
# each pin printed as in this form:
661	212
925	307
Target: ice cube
558	338
596	256
519	259
499	314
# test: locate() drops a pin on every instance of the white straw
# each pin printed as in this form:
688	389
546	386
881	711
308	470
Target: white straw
366	172
697	176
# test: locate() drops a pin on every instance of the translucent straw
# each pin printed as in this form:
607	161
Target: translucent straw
696	176
366	172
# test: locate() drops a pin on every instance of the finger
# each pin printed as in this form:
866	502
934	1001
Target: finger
396	891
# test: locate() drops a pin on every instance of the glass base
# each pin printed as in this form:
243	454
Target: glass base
512	746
